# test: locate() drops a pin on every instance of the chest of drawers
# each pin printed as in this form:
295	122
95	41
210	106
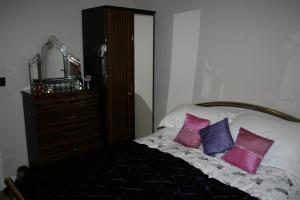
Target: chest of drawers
62	125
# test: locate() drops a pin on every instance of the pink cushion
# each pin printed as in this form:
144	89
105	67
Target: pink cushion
189	133
248	151
253	142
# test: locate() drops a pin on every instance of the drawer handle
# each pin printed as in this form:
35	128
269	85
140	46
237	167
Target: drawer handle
76	148
73	116
70	99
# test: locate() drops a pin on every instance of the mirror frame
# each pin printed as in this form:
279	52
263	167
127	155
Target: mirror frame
54	43
44	85
35	68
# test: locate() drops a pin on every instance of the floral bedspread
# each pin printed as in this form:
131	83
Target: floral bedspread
268	183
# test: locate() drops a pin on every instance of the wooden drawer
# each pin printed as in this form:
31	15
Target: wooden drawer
69	148
66	115
62	100
68	142
74	132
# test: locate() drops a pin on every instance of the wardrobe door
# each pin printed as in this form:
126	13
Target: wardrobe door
143	74
119	91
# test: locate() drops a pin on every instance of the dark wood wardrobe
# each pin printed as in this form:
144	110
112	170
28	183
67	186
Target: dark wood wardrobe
109	46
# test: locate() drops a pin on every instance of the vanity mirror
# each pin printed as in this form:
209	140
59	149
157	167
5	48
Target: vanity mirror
55	69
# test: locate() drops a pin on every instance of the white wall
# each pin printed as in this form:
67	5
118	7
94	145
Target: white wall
25	26
247	51
183	58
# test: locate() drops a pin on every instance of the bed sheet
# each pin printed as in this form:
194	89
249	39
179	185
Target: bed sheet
268	183
130	171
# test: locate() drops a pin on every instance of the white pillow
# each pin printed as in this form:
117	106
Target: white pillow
176	117
285	151
263	125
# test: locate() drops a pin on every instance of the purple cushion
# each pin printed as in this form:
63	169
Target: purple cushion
189	133
248	151
216	138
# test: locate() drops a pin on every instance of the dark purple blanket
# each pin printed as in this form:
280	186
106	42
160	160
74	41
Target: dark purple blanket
131	171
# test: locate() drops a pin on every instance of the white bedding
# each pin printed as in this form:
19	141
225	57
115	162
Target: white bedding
268	183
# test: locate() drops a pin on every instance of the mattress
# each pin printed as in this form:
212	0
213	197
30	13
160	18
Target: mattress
268	183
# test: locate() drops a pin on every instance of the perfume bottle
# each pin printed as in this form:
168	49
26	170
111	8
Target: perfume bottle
87	80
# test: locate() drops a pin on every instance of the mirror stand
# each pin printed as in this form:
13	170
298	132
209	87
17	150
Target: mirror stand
40	87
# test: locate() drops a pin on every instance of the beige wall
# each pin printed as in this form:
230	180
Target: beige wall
246	51
25	26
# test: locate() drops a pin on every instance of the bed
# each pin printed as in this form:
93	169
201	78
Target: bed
170	165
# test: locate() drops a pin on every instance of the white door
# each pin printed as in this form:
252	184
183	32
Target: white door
143	74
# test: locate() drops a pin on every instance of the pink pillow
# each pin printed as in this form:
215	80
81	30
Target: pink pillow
189	133
248	151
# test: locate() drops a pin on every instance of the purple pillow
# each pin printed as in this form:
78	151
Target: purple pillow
248	151
216	138
189	133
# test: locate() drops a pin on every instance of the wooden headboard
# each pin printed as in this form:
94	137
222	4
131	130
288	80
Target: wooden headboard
263	109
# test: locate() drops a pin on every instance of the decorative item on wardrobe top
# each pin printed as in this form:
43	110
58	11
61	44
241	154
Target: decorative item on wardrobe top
55	69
